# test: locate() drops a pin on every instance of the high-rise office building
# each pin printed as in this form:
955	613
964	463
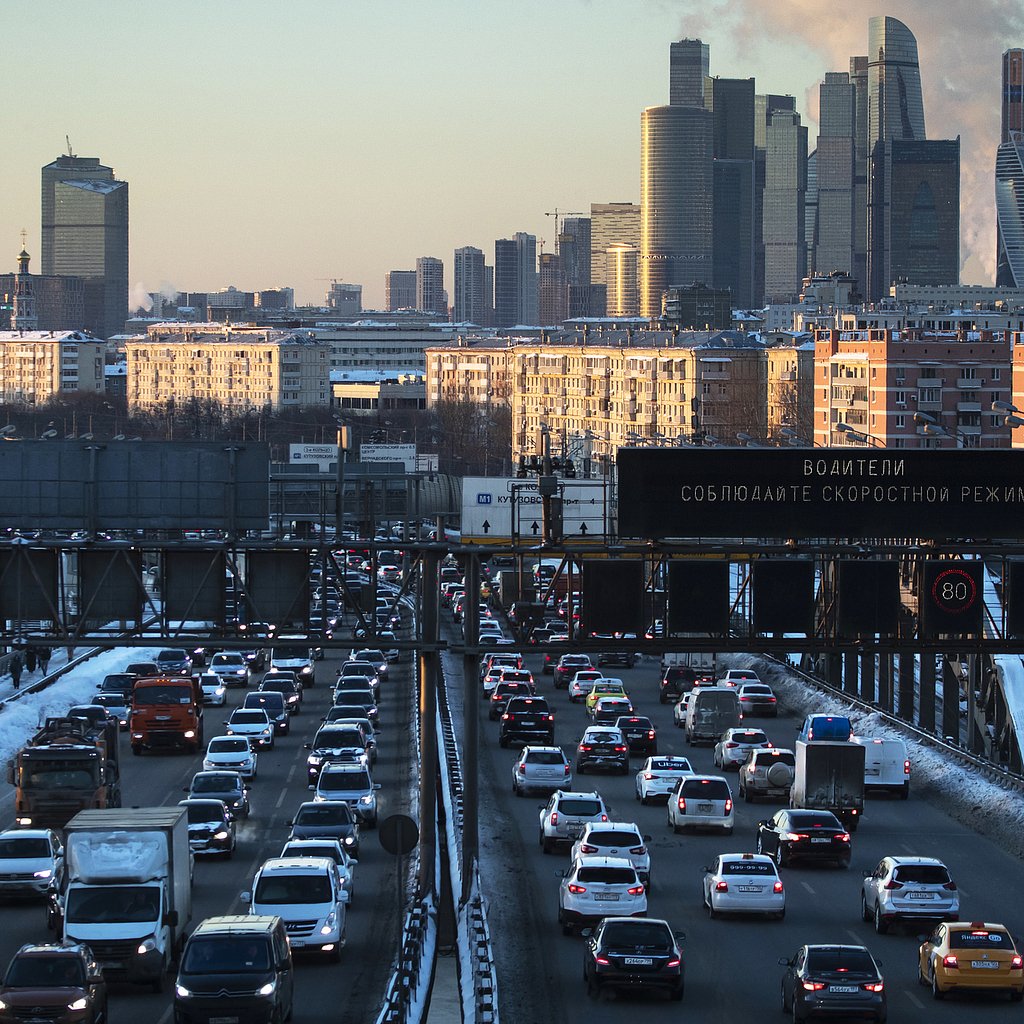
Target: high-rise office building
400	289
676	188
1010	175
785	187
731	102
430	294
689	61
551	290
811	213
611	224
469	286
764	105
574	249
623	298
895	106
85	234
859	81
915	233
516	300
835	235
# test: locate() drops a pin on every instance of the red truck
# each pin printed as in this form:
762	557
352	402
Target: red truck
167	713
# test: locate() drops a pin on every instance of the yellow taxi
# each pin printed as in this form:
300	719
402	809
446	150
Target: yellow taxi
605	688
971	955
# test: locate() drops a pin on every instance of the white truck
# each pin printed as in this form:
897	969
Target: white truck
128	894
829	776
886	765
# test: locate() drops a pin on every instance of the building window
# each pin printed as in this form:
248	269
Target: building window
900	397
901	422
996	371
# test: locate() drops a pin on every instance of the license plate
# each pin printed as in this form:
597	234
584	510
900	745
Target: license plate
575	830
223	1020
704	808
985	965
638	961
842	988
606	895
820	839
919	895
749	888
871	771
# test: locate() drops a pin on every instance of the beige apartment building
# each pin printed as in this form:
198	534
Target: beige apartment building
36	366
238	367
874	381
790	391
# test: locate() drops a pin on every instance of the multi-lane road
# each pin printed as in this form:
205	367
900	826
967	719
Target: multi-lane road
346	993
732	971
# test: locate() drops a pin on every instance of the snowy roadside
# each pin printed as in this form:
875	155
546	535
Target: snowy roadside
991	808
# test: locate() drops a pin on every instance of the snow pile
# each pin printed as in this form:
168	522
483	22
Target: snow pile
989	807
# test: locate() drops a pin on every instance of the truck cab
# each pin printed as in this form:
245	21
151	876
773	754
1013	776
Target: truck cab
167	712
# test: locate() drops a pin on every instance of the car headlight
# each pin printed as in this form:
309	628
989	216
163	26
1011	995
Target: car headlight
181	992
267	990
350	840
190	734
79	1004
46	873
219	692
222	834
23	822
305	671
146	946
241	671
314	759
328	925
366	800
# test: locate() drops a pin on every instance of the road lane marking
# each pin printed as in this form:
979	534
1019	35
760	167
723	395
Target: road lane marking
808	888
166	1015
913	998
291	773
280	799
853	935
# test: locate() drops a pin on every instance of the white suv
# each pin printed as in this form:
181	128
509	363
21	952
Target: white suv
615	839
701	801
596	887
564	816
541	768
909	888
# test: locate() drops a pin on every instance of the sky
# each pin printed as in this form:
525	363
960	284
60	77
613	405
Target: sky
269	144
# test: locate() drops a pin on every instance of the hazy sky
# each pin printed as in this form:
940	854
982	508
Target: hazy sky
283	143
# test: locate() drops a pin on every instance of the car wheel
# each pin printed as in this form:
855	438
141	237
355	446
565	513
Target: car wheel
865	914
937	992
593	989
136	749
782	993
547	845
758	847
645	801
921	979
515	788
503	742
881	925
780	857
580	769
710	907
781	915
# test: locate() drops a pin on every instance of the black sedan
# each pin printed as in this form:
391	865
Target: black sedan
833	981
632	953
791	835
327	819
228	787
640	733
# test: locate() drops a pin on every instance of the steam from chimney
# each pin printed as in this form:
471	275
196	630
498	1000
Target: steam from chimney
959	46
139	298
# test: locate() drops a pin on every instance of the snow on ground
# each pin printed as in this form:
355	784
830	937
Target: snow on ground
990	806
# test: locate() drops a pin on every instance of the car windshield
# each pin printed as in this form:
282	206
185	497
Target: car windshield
304	888
45	972
329	739
228	745
814	819
198	815
109	700
979	938
545	757
344	781
671	765
756	688
120	903
15	849
228	954
322	814
257	717
923	874
611	876
749	736
214	784
171	656
840	961
227	661
771	757
646	934
580	808
148	696
330	852
291	654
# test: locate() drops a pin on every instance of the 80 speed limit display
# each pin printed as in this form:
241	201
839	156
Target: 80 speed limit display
951	598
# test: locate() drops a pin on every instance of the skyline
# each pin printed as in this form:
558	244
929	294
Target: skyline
284	147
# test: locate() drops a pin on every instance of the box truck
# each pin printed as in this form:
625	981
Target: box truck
830	777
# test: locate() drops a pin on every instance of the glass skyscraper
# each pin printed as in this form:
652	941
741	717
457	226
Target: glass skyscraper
1010	175
470	286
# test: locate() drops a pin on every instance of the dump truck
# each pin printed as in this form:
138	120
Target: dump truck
68	765
167	713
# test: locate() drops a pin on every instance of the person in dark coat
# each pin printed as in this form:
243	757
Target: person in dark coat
15	665
43	653
30	658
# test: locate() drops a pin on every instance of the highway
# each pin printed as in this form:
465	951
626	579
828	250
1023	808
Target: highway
344	993
732	971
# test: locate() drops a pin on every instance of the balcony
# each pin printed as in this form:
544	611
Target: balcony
787	375
929	404
968	406
714	375
968	383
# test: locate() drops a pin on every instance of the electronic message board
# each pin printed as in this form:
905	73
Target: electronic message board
821	492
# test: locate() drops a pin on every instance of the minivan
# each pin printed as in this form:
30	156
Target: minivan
712	710
235	968
701	801
297	658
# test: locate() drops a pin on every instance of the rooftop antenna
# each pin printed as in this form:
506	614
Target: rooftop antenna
67	139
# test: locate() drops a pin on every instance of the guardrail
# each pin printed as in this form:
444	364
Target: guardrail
478	982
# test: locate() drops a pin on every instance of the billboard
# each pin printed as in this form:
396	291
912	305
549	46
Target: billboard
323	456
403	453
499	508
821	492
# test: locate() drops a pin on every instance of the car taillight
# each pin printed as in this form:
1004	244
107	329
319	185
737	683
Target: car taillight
567	769
635	890
873	986
721	886
505	717
554	817
950	885
1016	963
771	700
619	749
682	804
950	960
650	775
551	718
892	884
767	745
906	767
585	747
844	838
603	960
576	889
650	734
731	746
728	805
778	887
521	768
813	986
587	848
604	817
674	962
794	837
638	851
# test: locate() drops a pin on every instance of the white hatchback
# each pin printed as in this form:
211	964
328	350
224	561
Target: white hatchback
744	883
909	889
582	684
231	753
596	887
658	776
735	745
615	839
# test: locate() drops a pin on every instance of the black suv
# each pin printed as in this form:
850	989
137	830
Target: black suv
633	953
527	720
676	680
235	968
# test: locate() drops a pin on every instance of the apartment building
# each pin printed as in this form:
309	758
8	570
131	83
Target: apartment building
911	388
477	370
36	366
240	368
790	390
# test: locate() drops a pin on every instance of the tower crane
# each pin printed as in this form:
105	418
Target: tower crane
560	215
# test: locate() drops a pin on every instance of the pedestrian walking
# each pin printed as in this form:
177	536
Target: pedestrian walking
15	665
30	658
43	654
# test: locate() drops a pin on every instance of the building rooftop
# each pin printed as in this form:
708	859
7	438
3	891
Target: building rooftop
47	336
102	187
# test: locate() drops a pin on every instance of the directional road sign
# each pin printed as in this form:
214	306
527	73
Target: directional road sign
500	510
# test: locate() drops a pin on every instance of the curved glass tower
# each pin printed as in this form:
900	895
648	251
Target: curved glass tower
1010	211
895	107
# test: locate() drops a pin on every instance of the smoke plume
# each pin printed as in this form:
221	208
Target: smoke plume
960	44
139	298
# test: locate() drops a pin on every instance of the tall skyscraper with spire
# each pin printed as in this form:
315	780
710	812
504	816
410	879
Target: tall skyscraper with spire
1010	175
85	234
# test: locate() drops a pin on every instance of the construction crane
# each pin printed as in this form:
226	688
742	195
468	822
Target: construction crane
561	215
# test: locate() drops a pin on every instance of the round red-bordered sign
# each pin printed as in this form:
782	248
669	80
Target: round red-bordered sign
954	591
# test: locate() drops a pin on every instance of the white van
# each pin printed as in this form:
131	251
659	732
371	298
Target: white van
308	894
886	765
291	655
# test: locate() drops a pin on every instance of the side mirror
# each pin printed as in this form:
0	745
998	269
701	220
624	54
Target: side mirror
171	919
680	935
646	839
783	962
764	824
586	932
184	789
245	897
309	746
376	785
346	896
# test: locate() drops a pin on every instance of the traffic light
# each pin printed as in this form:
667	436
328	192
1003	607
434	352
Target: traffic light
570	470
